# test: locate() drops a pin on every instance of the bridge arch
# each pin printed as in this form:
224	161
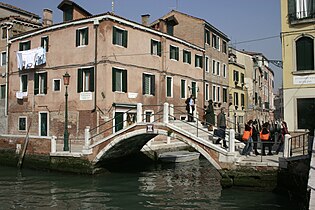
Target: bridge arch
132	141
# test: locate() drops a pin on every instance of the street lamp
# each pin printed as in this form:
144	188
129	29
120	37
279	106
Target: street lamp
66	81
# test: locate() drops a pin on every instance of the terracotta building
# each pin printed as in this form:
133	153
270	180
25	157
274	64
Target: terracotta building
215	60
113	63
13	21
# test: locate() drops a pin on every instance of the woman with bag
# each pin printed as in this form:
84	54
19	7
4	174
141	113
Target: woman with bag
247	137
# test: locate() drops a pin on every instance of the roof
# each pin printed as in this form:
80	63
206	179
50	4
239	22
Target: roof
65	3
19	18
200	19
18	10
108	15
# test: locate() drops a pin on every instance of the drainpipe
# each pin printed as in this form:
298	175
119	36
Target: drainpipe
9	26
96	24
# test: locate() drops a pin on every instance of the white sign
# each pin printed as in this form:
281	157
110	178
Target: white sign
86	96
304	80
150	128
132	95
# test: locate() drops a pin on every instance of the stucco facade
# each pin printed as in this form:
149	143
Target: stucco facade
298	35
108	75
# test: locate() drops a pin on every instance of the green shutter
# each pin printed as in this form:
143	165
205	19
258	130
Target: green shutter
80	81
114	35
45	82
159	49
143	84
113	79
28	45
86	31
177	53
196	59
125	38
182	88
152	42
201	62
47	43
189	57
77	38
170	52
169	88
36	83
91	88
153	84
124	81
291	9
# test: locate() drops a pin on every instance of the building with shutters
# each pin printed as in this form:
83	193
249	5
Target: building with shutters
298	36
113	63
13	21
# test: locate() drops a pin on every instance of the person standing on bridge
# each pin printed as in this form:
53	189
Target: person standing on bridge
190	108
265	138
221	123
210	115
247	137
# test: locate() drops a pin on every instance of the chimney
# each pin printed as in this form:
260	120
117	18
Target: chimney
145	19
47	17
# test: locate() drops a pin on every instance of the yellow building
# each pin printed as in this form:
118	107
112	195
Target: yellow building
236	90
298	35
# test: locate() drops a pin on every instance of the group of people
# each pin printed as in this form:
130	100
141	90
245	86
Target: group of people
267	135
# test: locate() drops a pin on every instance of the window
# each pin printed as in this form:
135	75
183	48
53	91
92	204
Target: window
85	80
242	100
236	99
155	47
169	87
224	46
4	33
194	89
224	70
218	94
24	83
56	84
82	37
266	75
186	56
305	54
120	37
44	43
304	8
22	123
215	41
43	124
68	14
3	58
206	92
148	84
235	76
174	53
256	98
305	112
119	80
2	91
214	93
26	45
170	29
40	83
218	68
242	79
213	66
207	36
207	64
224	95
198	61
183	88
149	117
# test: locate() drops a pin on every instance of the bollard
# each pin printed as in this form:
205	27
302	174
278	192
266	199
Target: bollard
287	146
87	135
139	112
165	112
53	148
231	140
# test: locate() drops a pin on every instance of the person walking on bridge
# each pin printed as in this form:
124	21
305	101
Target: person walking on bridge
247	137
221	123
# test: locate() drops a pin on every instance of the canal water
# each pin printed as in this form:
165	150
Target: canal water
131	185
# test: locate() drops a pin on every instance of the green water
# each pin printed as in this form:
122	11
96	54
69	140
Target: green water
131	185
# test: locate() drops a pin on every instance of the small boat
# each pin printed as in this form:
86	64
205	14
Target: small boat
178	156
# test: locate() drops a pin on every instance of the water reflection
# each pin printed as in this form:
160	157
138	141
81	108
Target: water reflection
193	185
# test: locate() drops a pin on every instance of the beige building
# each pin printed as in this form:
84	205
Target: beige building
298	35
13	21
114	63
257	83
214	62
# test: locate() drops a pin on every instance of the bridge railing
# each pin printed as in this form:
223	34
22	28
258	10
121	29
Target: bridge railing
296	145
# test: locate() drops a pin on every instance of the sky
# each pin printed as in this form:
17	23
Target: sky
243	21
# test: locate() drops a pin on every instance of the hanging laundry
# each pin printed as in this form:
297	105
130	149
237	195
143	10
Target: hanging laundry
31	58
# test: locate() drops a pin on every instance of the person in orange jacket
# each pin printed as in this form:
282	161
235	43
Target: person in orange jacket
265	138
247	137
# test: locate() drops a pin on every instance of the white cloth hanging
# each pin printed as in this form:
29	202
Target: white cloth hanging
31	58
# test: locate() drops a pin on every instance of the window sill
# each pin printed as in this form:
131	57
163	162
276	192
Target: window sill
302	21
81	46
173	59
148	95
303	72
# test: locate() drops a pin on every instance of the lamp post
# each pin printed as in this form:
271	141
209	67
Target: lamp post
66	81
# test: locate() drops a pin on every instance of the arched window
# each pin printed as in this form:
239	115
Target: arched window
305	54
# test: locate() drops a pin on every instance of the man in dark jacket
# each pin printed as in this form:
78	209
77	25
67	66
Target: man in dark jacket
221	123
